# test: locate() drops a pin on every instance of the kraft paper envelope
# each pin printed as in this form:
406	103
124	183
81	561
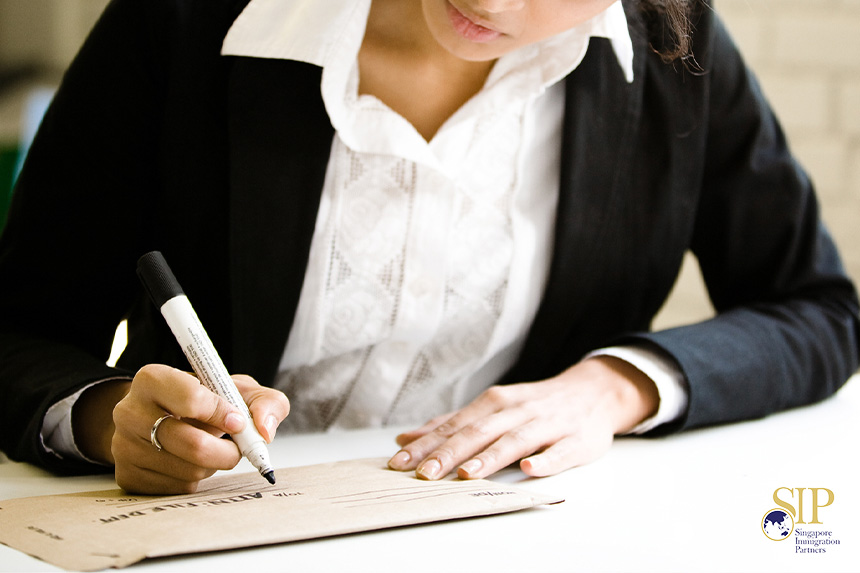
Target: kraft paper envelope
97	530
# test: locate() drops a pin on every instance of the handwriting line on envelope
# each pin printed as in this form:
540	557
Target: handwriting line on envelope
363	499
405	490
200	497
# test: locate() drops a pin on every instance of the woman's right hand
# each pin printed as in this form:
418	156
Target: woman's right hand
192	448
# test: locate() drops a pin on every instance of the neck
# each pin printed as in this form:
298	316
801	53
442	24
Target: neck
399	26
401	64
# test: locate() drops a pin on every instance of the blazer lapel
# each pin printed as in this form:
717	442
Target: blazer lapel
280	140
601	112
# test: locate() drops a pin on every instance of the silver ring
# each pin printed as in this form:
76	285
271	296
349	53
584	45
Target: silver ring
153	437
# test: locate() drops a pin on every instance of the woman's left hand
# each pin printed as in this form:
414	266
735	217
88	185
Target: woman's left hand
548	426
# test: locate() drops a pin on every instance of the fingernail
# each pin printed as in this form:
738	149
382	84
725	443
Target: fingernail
234	422
529	465
472	467
271	425
430	469
400	460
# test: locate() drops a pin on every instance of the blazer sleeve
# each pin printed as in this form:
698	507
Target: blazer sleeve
89	201
786	329
67	254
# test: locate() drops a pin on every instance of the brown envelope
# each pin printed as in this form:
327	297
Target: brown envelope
97	530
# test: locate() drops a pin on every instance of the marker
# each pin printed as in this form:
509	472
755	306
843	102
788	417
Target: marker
165	292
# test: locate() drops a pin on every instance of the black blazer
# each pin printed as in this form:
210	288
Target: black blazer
155	141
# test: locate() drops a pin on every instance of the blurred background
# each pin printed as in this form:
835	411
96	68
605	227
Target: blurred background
806	53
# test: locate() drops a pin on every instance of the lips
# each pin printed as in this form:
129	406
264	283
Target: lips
468	29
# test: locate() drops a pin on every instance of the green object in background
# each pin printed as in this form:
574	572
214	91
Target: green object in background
12	152
8	162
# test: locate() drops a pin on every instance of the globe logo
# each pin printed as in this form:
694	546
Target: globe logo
777	524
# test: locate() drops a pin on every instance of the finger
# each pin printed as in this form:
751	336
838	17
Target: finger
416	451
188	455
469	441
490	401
143	479
192	445
268	406
570	452
182	395
412	435
511	447
177	438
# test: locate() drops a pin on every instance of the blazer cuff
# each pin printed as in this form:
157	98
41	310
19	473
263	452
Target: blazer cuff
57	435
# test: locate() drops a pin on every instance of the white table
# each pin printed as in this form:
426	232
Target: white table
689	502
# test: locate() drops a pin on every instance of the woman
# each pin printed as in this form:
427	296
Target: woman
393	210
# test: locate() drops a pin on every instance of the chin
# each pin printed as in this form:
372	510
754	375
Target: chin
440	26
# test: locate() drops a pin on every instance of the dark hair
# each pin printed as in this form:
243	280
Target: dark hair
672	27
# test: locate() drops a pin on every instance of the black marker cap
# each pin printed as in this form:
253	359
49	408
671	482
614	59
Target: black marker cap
157	278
